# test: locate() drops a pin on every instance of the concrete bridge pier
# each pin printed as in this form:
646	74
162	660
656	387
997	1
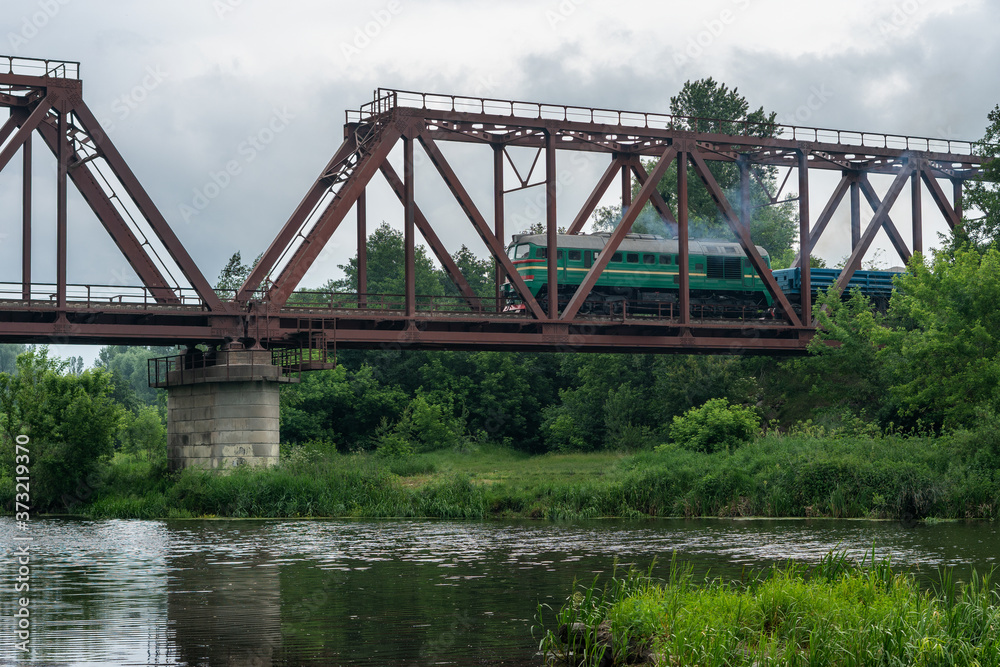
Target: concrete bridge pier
222	409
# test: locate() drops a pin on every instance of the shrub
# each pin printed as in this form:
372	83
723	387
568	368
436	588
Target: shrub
393	445
715	426
430	426
71	421
979	445
562	433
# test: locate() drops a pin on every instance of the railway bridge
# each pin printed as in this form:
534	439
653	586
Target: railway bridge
223	402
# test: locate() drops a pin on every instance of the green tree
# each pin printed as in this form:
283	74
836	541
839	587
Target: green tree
71	422
583	409
625	401
710	106
498	394
844	376
386	269
943	348
129	366
682	382
478	272
626	418
8	357
144	433
983	194
933	361
338	406
233	275
432	424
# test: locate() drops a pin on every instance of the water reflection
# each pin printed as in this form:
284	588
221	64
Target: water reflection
98	591
274	593
224	608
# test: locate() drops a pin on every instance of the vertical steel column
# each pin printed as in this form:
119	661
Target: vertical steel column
855	211
408	243
805	294
684	300
550	225
362	211
61	240
957	189
626	187
26	221
498	214
918	234
744	165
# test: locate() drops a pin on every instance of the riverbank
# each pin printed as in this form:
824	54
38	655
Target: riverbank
776	476
836	613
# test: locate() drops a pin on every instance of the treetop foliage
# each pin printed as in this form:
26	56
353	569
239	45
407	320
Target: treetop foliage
233	275
710	106
722	110
386	270
944	341
984	194
932	362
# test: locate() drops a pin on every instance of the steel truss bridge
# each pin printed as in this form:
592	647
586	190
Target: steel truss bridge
175	304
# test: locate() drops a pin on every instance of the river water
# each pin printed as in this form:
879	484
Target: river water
345	592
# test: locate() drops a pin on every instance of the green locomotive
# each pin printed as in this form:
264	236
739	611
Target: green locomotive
642	275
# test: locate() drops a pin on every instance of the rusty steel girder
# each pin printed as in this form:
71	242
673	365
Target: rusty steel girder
45	97
429	119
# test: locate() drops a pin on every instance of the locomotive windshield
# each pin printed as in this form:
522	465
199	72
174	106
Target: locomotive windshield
518	251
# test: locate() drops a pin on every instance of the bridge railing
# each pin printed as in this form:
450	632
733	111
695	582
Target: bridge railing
619	311
320	300
386	99
198	367
96	295
55	69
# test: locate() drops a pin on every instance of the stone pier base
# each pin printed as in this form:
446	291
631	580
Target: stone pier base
224	415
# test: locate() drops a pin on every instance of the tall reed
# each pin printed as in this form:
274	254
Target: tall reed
835	613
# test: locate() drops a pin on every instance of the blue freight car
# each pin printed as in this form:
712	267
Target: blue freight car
876	285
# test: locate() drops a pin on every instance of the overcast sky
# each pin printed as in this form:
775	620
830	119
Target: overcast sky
183	86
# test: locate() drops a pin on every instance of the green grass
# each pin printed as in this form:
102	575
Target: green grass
775	476
491	465
837	613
